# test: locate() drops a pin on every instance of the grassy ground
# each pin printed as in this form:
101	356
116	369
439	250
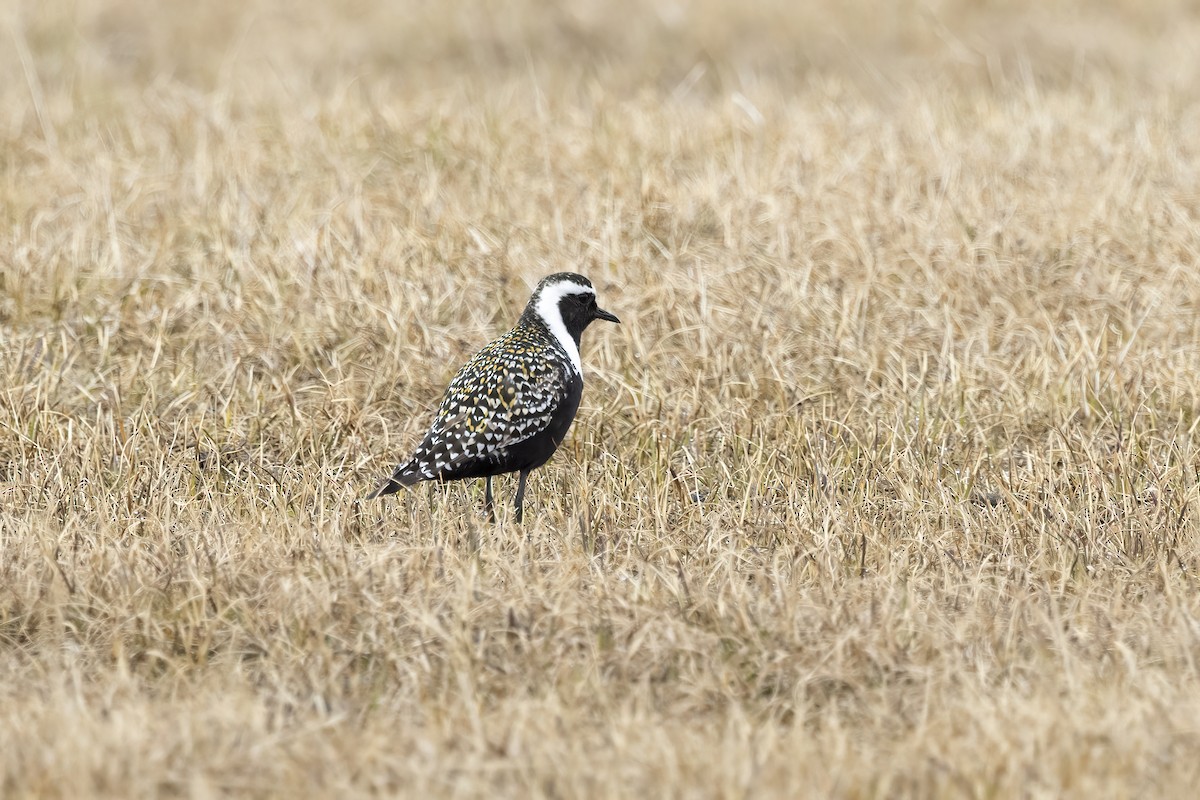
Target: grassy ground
885	487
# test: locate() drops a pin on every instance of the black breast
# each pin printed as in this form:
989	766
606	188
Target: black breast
537	449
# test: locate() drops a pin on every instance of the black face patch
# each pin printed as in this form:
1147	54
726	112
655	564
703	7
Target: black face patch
578	311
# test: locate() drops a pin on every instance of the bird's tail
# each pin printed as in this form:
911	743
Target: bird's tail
402	477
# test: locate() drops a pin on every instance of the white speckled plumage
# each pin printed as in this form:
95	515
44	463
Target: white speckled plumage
500	398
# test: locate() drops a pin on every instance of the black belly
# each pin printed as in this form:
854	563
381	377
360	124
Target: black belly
534	451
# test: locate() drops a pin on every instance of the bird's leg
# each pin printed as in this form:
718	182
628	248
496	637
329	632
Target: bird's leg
521	495
487	499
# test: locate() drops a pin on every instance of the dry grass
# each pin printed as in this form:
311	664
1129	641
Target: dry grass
886	487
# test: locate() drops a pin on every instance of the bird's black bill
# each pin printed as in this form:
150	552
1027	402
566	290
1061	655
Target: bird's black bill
602	314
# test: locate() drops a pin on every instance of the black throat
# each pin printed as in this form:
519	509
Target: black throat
575	317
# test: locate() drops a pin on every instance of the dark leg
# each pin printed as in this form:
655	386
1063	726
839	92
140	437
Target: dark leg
487	499
521	495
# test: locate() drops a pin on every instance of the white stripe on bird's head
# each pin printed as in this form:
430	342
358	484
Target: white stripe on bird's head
548	296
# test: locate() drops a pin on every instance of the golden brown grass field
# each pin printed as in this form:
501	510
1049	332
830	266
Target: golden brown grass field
886	487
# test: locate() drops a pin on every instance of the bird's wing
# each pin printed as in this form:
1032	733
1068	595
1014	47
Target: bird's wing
504	407
493	403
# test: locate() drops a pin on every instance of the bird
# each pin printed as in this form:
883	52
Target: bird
509	407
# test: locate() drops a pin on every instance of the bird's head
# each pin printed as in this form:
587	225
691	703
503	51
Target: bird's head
566	302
